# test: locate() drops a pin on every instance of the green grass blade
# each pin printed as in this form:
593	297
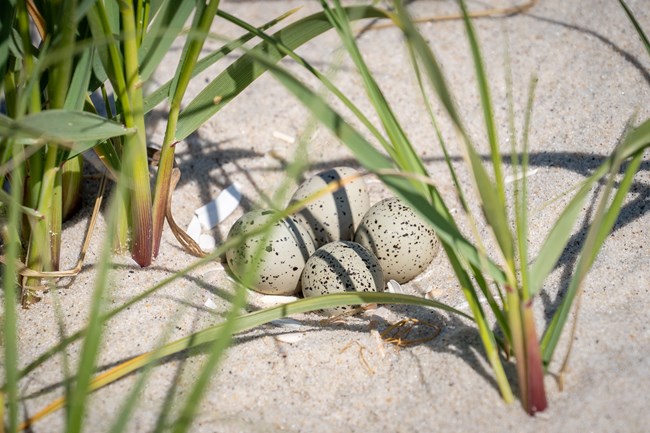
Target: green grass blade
9	319
164	29
129	404
486	334
521	192
430	64
103	21
376	162
484	184
203	18
400	147
78	89
92	334
604	220
560	234
321	77
243	323
486	103
161	93
217	349
637	26
492	194
245	70
434	122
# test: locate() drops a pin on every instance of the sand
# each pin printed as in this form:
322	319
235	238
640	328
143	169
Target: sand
311	376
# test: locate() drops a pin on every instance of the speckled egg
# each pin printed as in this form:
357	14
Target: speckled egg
402	242
285	252
341	266
336	215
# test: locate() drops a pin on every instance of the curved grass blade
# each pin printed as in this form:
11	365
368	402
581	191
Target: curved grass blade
492	194
164	29
453	242
77	398
78	89
161	93
321	77
376	162
243	323
245	70
560	234
400	148
600	228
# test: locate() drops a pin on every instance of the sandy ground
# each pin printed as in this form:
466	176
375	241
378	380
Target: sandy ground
312	376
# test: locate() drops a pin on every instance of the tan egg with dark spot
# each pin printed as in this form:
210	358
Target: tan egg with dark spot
403	243
282	256
339	267
336	215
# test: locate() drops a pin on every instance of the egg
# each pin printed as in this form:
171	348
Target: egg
335	215
283	257
403	243
341	266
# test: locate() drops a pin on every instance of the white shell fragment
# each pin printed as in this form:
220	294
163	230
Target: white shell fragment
290	338
284	137
207	243
333	216
209	303
194	229
209	215
273	300
217	210
394	287
338	267
272	262
402	242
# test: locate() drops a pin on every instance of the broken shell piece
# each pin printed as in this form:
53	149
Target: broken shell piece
217	210
394	287
271	300
194	229
207	243
290	338
284	137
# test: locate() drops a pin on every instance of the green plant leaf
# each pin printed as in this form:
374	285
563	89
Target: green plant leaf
75	130
560	234
245	70
161	93
164	29
492	193
602	224
78	89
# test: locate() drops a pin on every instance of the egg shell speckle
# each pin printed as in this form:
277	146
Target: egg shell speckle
336	215
402	242
283	258
341	266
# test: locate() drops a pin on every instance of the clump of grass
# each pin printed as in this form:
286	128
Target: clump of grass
509	283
